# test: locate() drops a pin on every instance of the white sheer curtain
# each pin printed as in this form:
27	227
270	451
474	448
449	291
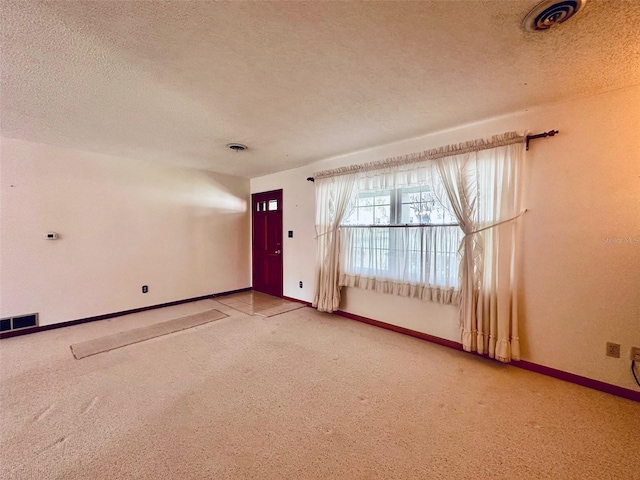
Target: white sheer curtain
416	255
484	190
333	196
477	185
419	262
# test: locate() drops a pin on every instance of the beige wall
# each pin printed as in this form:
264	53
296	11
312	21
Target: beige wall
123	224
583	187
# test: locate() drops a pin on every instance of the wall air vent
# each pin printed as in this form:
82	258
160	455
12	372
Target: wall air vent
550	13
19	322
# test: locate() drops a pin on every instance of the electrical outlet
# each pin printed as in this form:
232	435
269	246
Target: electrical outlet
145	289
613	350
300	284
635	354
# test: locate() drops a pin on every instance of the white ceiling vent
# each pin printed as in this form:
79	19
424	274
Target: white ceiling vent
551	12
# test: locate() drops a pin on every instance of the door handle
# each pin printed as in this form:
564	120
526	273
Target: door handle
278	252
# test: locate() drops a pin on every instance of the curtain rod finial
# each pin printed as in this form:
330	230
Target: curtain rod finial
550	133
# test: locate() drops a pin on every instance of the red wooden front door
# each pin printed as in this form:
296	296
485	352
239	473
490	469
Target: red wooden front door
266	216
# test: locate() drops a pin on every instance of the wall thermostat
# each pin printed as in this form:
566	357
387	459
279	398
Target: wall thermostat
51	236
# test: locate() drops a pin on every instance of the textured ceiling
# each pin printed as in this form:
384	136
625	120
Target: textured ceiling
297	82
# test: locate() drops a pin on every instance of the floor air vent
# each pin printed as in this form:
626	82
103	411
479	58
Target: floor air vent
19	322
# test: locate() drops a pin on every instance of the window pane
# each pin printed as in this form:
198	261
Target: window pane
427	196
422	207
382	214
411	192
365	215
417	205
383	198
407	215
273	205
351	218
365	199
417	212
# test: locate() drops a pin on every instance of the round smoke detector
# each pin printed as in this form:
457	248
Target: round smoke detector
236	147
551	12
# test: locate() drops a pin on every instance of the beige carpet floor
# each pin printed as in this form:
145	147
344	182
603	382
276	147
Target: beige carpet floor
302	395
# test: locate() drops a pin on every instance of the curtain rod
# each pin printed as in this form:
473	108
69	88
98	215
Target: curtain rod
550	133
404	225
528	138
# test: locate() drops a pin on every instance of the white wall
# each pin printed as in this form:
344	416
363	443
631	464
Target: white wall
123	223
583	187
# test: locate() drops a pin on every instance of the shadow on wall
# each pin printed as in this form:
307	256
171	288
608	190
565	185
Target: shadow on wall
204	192
200	189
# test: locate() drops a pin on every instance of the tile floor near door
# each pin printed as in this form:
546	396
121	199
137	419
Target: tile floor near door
256	303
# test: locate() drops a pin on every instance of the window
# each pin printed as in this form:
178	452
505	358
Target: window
388	226
402	206
400	240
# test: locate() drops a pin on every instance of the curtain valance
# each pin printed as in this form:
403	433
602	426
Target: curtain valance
396	163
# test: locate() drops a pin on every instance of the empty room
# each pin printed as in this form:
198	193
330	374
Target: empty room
320	240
